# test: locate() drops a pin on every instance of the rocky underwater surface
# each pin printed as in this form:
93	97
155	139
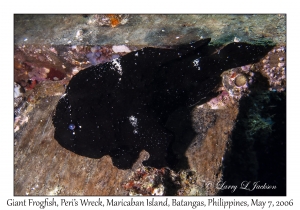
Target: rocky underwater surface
186	119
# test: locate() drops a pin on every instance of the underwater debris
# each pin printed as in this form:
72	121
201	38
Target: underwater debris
25	102
149	181
273	67
146	181
18	93
256	123
35	64
235	82
19	106
112	20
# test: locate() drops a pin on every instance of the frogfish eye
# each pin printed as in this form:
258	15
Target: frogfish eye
71	126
